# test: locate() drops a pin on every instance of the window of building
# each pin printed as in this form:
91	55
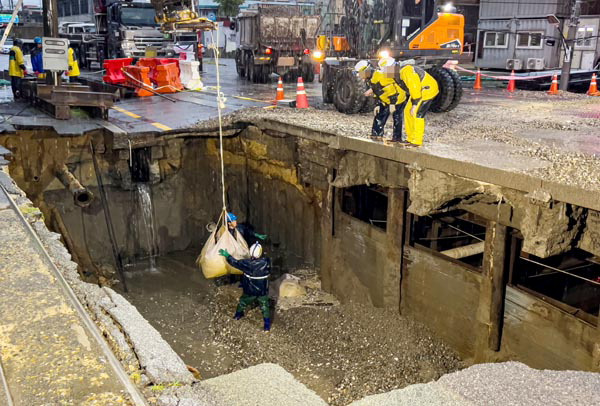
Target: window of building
75	7
495	40
84	7
530	40
456	234
570	281
584	37
366	203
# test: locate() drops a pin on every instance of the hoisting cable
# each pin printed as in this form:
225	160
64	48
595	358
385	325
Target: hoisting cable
220	105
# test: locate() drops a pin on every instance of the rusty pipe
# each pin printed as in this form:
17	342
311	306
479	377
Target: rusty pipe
81	195
465	251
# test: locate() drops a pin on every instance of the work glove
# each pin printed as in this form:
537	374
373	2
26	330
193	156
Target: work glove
24	72
224	253
261	237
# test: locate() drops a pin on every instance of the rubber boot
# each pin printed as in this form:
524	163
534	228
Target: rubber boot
267	324
238	315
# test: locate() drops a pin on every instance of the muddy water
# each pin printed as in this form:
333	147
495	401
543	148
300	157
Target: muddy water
342	352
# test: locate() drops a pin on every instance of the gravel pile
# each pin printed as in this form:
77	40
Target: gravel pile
343	353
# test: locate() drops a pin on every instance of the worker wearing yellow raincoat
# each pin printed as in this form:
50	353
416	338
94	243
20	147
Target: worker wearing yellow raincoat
73	65
422	88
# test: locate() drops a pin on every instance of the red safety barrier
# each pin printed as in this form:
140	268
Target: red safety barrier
114	70
137	77
164	61
167	78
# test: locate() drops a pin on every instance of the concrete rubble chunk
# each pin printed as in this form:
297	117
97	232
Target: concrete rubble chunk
414	395
157	358
261	385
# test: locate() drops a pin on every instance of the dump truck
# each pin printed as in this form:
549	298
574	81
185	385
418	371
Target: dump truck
123	29
428	31
276	39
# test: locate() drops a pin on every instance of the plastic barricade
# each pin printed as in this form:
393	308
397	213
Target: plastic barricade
137	77
114	70
167	79
164	61
150	63
190	76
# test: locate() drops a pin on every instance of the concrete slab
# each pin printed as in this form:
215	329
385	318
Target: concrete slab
261	385
47	353
414	395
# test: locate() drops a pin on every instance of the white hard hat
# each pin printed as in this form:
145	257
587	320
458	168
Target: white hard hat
385	62
361	66
256	250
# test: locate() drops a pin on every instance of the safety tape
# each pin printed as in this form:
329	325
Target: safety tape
510	77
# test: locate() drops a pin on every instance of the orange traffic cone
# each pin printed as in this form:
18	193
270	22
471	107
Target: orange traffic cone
477	85
511	82
301	99
554	85
593	91
279	95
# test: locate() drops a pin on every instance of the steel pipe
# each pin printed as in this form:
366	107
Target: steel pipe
81	195
465	251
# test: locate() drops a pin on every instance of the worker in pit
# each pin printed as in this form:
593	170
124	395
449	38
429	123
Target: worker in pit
421	88
37	63
245	229
16	67
389	95
73	66
255	282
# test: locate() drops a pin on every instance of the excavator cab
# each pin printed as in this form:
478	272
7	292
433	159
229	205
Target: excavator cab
429	31
180	16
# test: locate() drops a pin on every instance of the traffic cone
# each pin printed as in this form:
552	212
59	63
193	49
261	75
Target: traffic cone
279	95
477	85
511	82
301	99
593	91
554	86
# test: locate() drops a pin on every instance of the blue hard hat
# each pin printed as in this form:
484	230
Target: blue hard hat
37	40
231	217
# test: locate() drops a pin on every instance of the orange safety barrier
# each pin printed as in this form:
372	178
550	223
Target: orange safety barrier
114	70
150	63
164	61
167	78
137	77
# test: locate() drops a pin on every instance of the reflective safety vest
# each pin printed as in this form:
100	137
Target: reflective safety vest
417	83
386	89
73	64
16	62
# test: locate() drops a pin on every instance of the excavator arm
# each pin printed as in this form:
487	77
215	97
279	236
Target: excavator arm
180	16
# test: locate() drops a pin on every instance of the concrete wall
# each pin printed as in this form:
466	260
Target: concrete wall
443	295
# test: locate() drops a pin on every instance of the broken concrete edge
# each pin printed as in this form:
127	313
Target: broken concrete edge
146	357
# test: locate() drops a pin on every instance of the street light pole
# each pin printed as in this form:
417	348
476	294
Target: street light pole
570	45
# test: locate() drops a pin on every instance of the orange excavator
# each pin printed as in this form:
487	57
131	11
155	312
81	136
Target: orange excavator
429	31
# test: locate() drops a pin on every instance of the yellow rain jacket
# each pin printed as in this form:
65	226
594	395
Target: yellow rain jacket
16	62
386	89
73	64
422	88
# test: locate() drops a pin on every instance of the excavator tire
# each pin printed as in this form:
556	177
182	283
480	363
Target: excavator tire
446	86
349	92
327	84
458	89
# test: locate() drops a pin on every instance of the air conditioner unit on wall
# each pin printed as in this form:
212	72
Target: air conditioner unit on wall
514	64
535	63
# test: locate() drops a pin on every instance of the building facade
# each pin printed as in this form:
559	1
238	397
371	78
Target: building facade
516	34
81	11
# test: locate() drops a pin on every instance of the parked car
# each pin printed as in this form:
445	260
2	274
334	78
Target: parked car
7	46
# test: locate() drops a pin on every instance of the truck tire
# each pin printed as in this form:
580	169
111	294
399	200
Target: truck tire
239	65
349	92
458	89
251	68
327	84
446	86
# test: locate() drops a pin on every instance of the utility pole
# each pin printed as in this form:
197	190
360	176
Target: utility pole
570	44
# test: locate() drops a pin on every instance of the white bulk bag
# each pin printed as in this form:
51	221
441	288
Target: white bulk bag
214	265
